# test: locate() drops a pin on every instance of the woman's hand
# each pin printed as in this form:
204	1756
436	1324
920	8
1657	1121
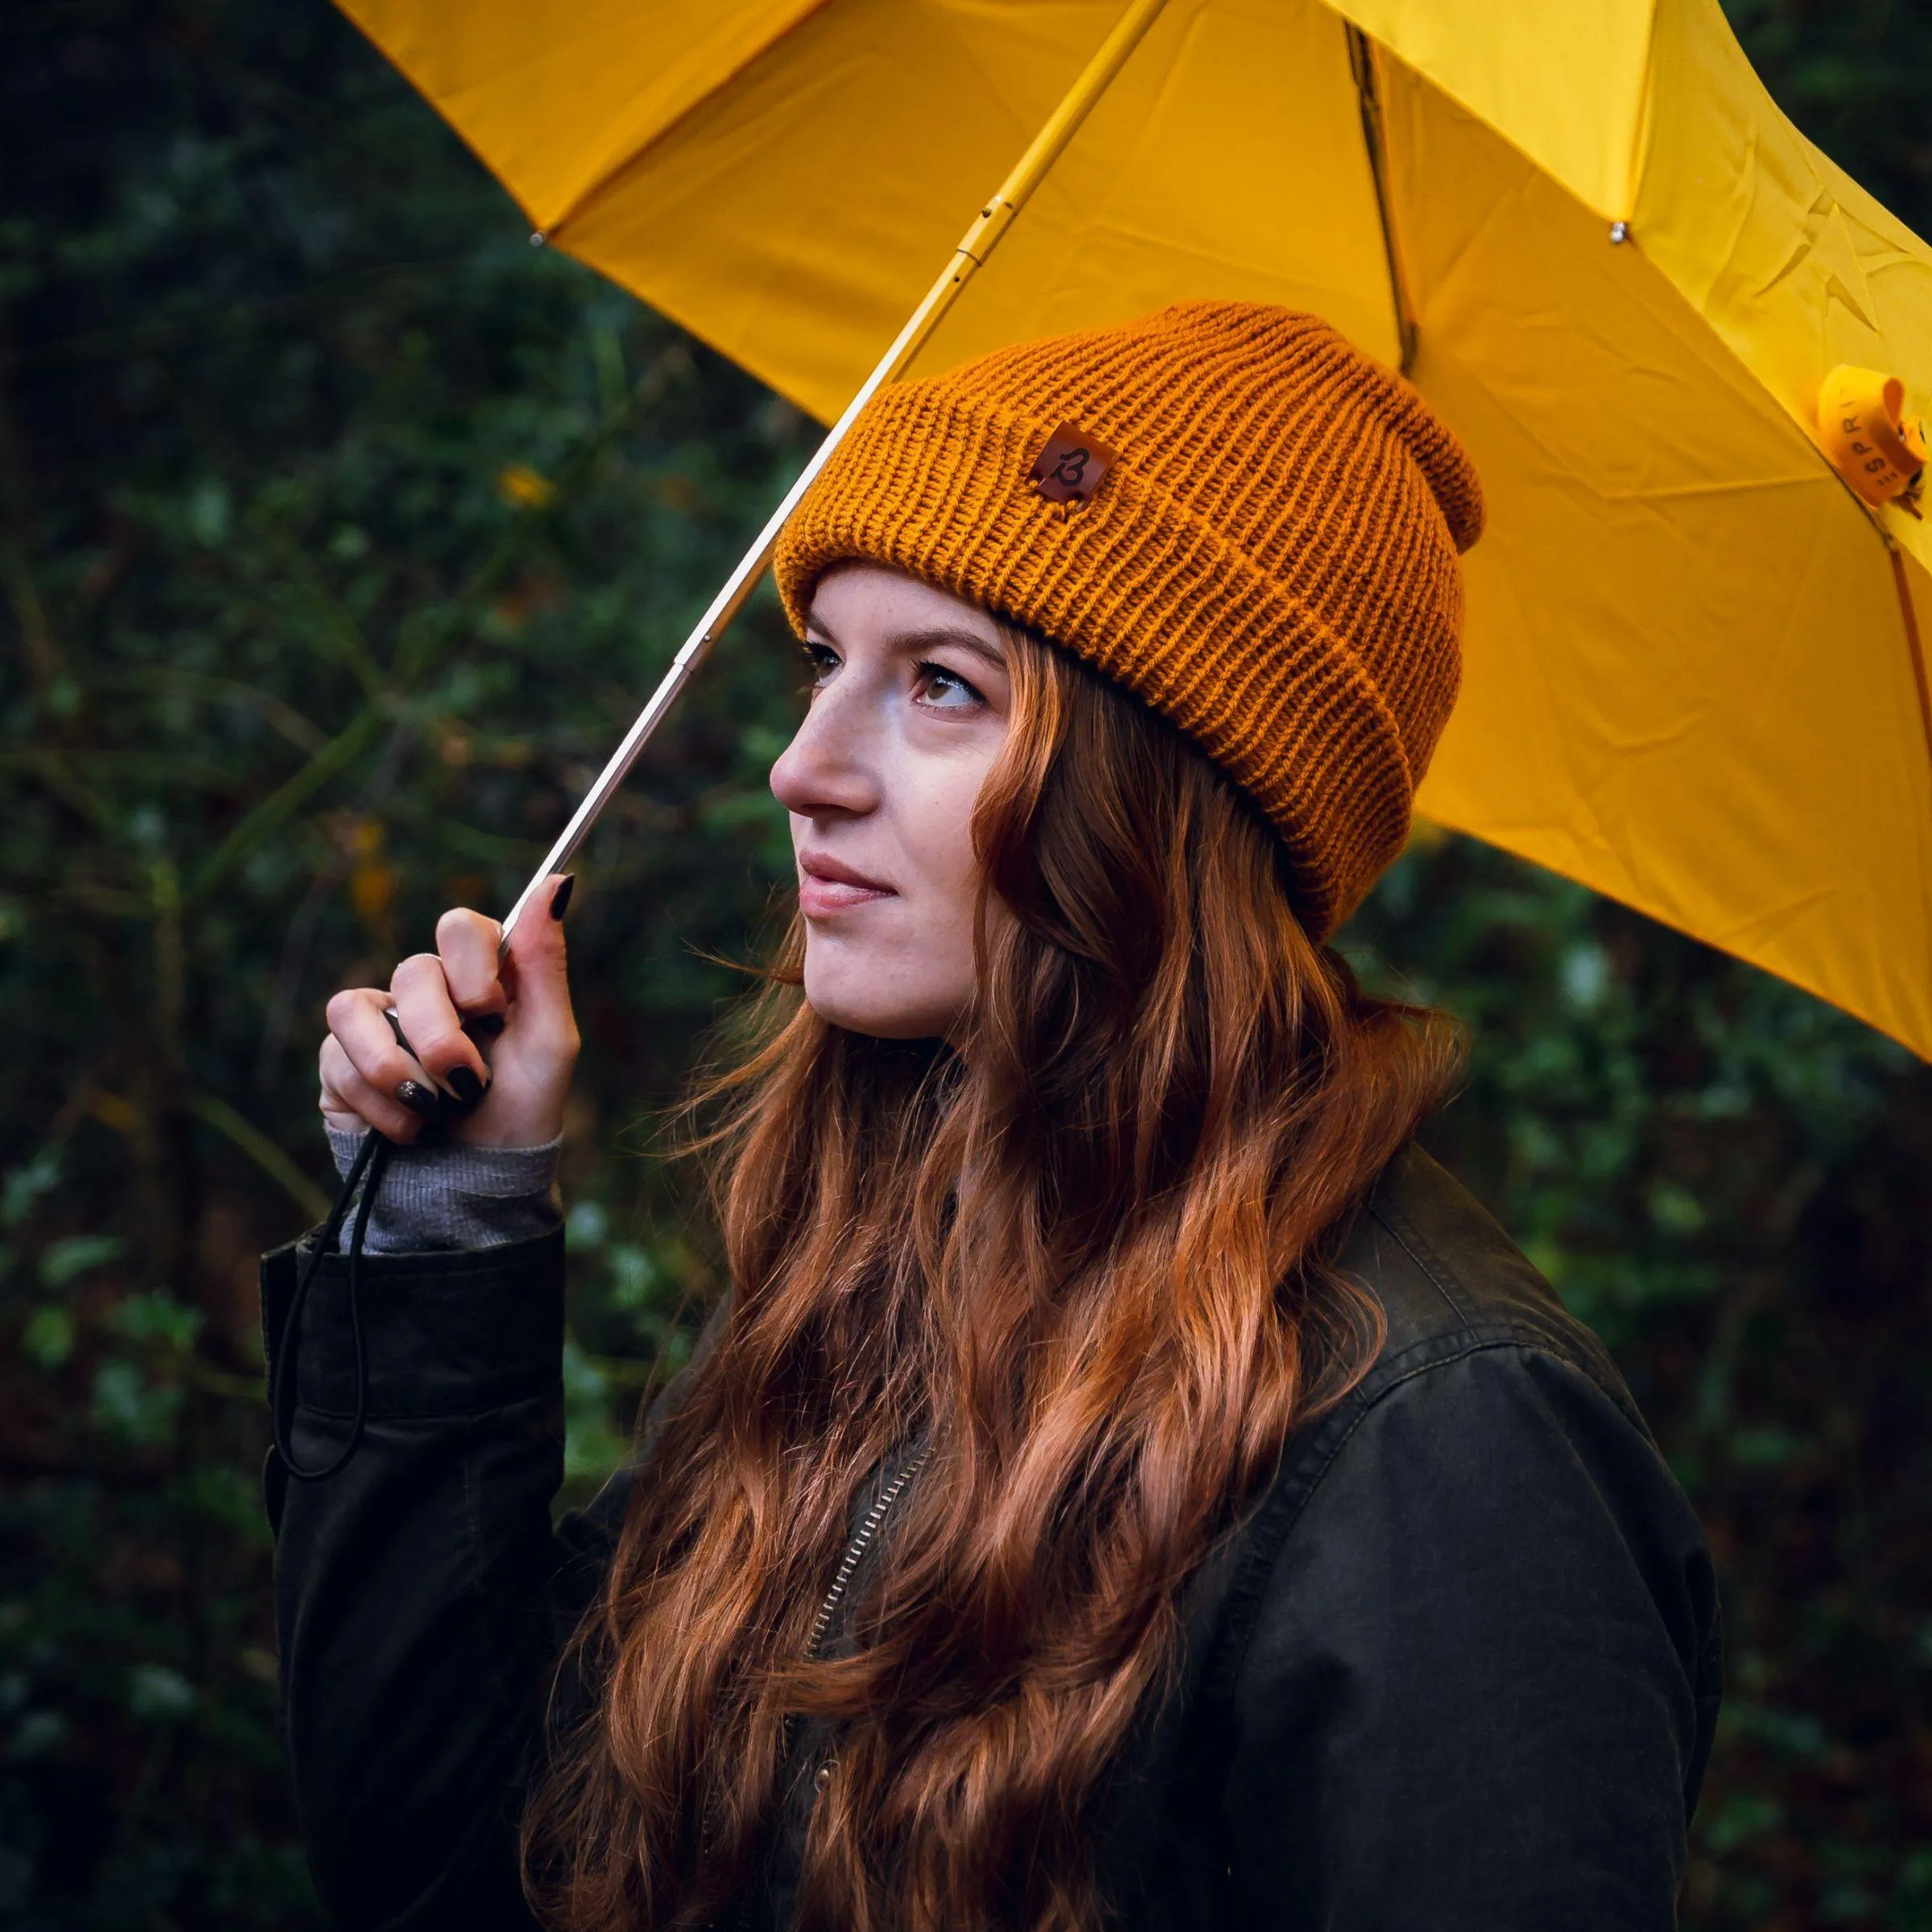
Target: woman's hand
370	1080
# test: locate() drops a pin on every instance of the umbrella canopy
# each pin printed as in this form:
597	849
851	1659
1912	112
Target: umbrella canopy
1693	676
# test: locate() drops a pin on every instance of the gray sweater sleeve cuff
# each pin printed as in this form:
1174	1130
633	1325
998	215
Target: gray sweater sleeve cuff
457	1197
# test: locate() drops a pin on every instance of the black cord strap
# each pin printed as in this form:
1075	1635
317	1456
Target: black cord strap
372	1158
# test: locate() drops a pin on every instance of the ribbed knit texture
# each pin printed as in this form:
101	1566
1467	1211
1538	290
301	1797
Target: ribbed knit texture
451	1195
1271	563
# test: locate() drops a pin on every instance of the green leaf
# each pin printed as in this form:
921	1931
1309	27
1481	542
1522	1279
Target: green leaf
48	1337
60	1261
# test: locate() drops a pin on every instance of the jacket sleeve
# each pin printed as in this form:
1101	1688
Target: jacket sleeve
422	1596
1481	1681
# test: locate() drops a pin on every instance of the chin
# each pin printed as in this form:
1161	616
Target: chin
860	1009
881	1023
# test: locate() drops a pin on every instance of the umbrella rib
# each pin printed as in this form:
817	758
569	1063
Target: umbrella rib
989	227
1364	60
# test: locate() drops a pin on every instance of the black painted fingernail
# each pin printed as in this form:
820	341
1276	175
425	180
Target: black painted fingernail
559	900
464	1085
484	1027
418	1098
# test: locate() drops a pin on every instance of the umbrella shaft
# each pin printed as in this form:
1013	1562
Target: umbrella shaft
989	227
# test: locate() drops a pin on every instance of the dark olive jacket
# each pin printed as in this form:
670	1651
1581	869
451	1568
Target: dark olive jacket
1457	1668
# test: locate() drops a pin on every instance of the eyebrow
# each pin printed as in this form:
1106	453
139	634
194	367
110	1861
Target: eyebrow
926	637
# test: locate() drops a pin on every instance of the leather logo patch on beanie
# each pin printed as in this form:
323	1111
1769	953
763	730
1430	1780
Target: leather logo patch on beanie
1069	469
1271	565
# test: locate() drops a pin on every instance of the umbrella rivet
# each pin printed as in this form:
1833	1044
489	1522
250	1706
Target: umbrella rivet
536	239
1620	231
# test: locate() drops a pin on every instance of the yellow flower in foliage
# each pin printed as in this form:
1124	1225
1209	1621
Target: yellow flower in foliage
518	485
372	891
372	882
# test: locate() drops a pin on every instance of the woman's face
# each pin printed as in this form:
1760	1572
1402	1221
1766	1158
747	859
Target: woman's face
909	710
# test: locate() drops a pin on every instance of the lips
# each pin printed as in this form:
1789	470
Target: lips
826	886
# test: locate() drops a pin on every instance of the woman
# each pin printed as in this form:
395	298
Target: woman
1128	1483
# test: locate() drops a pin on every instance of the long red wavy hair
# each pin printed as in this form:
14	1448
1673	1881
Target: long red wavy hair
1085	1261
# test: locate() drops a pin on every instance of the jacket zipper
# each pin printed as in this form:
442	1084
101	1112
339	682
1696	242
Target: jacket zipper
862	1540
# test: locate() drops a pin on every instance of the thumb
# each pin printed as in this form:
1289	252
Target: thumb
538	952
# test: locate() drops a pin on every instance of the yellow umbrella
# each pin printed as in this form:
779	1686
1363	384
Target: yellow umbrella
1693	679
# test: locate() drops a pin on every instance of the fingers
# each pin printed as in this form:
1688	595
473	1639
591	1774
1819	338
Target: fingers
538	962
358	1022
467	943
369	1075
434	1028
351	1099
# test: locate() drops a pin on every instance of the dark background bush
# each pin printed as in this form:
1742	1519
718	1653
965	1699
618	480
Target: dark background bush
294	660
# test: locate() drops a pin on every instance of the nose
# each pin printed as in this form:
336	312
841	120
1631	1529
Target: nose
827	769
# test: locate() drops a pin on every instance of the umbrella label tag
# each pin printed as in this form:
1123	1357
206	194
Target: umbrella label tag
1877	449
1069	469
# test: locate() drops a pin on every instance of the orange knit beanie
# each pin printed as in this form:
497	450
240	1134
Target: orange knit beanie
1256	530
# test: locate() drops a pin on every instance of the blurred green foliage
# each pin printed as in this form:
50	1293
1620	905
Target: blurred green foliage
340	529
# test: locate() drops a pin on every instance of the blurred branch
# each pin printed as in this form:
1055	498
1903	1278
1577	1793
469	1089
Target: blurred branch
339	632
488	848
340	752
146	767
217	1114
230	1388
51	769
277	713
22	593
29	613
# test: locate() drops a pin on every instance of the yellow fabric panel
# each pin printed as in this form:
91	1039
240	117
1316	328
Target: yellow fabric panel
793	220
1193	177
1226	161
1686	681
553	94
1562	79
1788	258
